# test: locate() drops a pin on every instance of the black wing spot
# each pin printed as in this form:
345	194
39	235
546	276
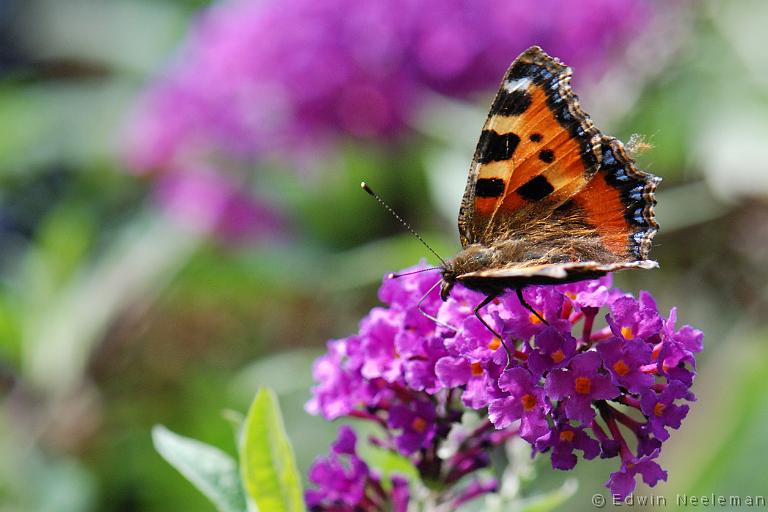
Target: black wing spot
536	189
547	156
535	137
489	187
511	103
553	77
494	147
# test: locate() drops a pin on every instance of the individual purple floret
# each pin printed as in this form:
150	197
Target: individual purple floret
636	318
563	441
579	385
551	349
661	409
524	402
625	360
603	367
622	482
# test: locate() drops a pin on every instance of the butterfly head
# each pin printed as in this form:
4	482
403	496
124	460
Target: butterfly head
473	258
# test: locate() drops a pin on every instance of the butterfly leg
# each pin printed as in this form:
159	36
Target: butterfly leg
519	292
480	306
427	315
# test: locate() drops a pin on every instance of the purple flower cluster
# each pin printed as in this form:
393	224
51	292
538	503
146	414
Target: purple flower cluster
604	367
256	79
346	482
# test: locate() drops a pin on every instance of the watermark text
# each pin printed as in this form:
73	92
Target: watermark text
680	500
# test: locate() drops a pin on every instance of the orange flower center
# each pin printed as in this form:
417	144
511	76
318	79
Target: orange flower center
494	344
658	409
477	369
528	401
570	295
567	436
557	356
627	333
534	319
621	368
419	424
583	385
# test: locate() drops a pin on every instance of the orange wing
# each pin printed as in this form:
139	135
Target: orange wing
543	175
537	149
618	202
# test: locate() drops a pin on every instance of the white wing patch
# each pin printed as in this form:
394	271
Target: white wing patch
514	85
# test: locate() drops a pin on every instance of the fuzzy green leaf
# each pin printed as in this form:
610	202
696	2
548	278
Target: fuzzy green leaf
267	463
212	471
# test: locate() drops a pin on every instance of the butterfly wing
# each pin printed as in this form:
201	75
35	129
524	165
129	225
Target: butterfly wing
618	202
546	179
536	150
553	273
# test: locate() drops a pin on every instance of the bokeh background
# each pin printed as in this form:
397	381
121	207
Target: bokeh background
181	218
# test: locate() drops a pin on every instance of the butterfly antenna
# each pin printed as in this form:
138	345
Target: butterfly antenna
378	198
395	276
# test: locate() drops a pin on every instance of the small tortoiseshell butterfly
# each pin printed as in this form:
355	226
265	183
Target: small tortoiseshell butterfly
549	198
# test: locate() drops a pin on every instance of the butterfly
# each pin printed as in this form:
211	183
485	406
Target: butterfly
549	199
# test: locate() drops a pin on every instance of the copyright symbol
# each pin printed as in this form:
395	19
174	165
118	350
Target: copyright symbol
598	500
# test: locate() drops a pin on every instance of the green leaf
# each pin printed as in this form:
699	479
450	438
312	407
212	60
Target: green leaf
385	462
212	471
267	463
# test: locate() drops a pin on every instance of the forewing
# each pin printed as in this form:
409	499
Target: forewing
536	150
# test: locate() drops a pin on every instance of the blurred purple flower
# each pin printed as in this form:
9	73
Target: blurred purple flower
258	77
341	386
344	482
569	386
416	423
475	488
207	202
258	80
377	348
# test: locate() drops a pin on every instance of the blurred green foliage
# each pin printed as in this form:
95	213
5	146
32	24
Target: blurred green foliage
113	318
